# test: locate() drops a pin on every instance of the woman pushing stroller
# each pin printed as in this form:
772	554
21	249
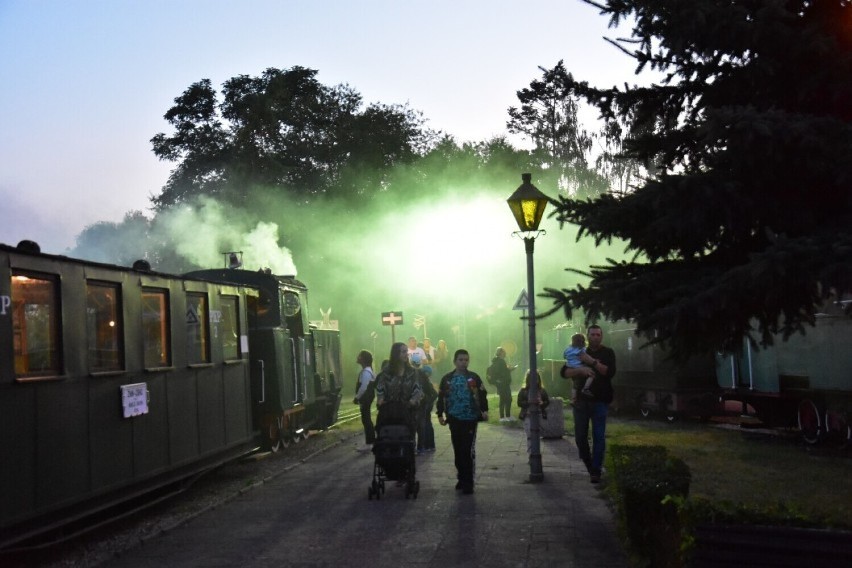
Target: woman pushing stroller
398	390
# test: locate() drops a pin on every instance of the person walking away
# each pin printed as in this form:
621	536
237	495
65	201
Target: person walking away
463	398
441	363
425	431
524	402
364	396
600	361
499	374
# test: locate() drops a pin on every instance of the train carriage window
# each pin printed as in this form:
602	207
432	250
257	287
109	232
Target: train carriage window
156	340
197	329
104	328
36	322
229	328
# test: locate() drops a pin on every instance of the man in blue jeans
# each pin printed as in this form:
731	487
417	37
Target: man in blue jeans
599	362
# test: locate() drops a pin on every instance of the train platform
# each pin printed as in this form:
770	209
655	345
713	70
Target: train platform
318	515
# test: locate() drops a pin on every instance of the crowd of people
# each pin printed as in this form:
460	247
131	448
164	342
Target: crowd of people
404	392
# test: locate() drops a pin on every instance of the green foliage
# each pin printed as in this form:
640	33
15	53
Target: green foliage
283	130
564	149
644	478
747	215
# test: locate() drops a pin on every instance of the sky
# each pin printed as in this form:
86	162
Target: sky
84	84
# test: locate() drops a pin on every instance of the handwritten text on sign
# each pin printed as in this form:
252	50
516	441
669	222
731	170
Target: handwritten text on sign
134	399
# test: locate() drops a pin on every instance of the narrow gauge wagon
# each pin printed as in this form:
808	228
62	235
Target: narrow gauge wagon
804	382
117	381
646	379
295	369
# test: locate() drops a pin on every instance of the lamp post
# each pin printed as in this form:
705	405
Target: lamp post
527	205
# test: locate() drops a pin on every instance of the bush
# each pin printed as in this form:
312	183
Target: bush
645	479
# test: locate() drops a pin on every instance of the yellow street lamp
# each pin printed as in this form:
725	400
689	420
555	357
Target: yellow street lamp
527	205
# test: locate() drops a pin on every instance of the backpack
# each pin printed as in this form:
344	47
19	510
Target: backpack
488	376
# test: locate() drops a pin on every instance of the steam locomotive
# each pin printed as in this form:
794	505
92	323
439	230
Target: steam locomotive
804	382
118	381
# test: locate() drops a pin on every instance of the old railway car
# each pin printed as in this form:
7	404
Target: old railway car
804	382
117	381
285	346
646	379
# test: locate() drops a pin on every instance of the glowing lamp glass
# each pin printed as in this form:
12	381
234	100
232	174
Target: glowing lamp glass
527	205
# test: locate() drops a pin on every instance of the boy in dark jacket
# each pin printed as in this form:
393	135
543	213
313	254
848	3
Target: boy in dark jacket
462	397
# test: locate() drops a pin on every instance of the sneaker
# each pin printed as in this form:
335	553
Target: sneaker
467	489
595	477
459	486
586	393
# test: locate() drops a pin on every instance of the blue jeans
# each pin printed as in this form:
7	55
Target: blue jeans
584	412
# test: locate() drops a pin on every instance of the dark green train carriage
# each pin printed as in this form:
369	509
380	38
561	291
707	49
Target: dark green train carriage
117	381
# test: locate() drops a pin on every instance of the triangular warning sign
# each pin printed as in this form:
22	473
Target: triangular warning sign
523	301
191	315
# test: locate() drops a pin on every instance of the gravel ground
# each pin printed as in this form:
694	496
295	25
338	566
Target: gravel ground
211	490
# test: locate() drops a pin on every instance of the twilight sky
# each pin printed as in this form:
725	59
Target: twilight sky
84	84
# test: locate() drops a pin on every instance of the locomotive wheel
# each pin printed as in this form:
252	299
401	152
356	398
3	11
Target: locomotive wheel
837	427
810	424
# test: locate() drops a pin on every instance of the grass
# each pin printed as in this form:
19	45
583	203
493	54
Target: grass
760	470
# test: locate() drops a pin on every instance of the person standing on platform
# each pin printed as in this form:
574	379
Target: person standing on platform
415	352
524	402
441	362
425	430
499	374
364	397
464	400
601	365
429	350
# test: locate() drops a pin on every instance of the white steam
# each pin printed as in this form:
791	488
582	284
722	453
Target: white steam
204	232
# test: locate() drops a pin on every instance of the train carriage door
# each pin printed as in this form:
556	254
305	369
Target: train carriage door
291	307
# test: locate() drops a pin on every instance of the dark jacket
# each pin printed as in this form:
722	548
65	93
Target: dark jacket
462	396
498	373
523	402
602	390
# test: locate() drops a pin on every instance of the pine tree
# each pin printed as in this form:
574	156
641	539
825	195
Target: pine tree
744	228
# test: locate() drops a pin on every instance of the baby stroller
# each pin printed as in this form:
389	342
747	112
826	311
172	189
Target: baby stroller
394	452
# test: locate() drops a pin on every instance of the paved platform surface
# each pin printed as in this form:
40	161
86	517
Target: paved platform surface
318	515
